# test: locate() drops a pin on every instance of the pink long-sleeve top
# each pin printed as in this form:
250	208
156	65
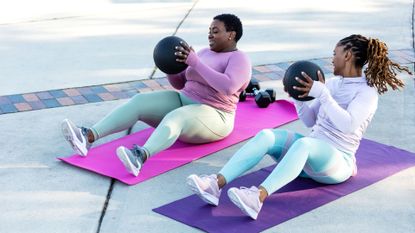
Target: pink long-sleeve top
215	79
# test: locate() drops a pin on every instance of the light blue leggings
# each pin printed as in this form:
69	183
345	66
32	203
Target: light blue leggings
296	155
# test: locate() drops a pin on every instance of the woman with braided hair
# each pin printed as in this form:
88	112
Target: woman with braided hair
339	115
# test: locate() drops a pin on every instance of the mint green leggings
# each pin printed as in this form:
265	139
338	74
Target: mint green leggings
296	155
174	115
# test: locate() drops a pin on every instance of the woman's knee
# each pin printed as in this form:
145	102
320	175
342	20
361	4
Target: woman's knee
175	116
154	96
265	136
138	98
303	143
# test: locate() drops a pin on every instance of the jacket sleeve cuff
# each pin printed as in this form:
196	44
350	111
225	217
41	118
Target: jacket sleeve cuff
317	89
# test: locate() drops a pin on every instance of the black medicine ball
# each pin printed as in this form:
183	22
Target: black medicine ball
164	57
294	70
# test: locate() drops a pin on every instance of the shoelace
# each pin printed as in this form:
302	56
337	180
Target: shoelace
205	176
209	178
250	191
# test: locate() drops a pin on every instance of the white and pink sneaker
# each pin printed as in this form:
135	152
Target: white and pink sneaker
247	199
206	187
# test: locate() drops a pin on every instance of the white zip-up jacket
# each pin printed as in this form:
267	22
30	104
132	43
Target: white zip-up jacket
341	111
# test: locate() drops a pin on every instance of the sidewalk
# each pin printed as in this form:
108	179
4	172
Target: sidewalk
269	75
78	61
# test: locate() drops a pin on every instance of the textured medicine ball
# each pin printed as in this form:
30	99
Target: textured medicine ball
294	70
164	57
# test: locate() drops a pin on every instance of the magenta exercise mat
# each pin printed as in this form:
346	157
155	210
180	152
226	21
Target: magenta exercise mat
375	162
249	120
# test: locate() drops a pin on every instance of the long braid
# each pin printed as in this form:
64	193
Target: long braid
380	71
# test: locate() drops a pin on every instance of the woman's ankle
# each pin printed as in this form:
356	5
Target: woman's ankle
221	180
263	194
90	136
146	153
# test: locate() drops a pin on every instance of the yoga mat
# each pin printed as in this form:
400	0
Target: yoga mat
249	120
375	162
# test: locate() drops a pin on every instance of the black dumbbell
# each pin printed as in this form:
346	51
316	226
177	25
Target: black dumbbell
262	98
253	84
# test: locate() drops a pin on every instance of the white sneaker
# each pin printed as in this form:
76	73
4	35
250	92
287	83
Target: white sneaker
132	159
206	187
77	137
247	200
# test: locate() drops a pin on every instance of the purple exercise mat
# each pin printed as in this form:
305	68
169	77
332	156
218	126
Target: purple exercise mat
375	162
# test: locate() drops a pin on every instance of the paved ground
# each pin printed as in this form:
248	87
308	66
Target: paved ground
77	60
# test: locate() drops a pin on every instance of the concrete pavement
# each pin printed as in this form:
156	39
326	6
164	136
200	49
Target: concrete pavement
62	45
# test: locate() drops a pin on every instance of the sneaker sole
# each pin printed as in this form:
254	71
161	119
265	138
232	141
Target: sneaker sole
122	155
207	197
238	202
68	135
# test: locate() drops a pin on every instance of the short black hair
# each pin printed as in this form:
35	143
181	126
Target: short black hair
232	23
